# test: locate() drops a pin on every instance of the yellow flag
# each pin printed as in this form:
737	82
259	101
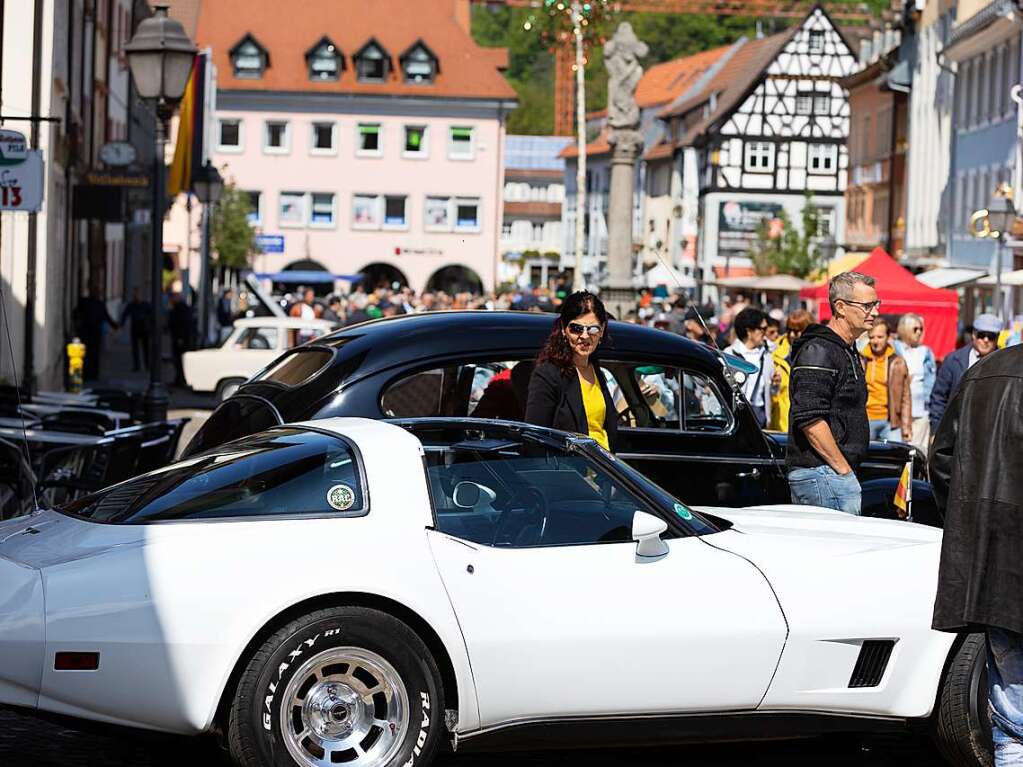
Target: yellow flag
179	179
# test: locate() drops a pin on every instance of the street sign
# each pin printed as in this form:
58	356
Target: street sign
21	183
13	147
270	243
117	153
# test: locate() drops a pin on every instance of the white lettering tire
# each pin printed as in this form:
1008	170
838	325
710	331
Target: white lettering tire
345	685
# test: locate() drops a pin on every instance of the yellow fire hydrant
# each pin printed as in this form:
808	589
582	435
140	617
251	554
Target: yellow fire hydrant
75	364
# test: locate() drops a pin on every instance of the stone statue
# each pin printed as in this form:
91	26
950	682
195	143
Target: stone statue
621	57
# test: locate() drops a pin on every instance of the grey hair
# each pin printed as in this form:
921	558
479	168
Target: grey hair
842	285
904	321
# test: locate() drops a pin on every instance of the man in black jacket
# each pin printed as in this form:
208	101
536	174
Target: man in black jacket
974	463
828	429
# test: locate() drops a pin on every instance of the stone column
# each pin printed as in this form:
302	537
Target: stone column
621	57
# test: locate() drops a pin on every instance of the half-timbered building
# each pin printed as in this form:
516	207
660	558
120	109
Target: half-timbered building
767	133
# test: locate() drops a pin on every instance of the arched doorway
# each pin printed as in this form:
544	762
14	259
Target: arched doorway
306	273
455	279
381	275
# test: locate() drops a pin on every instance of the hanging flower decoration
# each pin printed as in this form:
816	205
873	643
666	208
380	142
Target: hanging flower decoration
554	21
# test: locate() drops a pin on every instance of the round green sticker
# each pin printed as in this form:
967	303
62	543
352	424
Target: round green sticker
683	512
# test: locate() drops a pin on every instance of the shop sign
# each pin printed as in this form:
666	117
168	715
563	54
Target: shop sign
739	222
128	179
13	147
270	243
400	251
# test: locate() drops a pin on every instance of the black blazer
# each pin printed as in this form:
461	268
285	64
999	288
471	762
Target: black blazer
556	400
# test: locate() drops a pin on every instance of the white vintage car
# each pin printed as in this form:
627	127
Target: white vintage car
253	344
356	592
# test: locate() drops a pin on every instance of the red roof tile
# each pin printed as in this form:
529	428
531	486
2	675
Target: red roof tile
596	147
287	31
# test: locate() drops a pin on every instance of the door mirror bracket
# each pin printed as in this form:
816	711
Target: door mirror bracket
646	531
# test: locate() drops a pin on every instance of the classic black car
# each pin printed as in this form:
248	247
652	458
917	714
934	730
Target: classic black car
683	421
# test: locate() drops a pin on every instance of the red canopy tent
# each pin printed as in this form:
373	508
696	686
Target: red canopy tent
901	292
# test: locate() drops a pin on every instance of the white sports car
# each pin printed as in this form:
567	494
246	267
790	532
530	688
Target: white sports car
358	592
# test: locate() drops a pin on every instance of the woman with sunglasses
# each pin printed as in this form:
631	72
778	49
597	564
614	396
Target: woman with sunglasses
567	389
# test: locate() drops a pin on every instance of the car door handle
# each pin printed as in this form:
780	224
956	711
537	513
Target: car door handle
753	473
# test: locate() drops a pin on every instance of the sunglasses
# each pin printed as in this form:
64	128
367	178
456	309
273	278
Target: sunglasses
986	336
577	329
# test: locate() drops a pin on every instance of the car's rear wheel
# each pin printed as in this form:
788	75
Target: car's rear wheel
345	685
227	387
962	726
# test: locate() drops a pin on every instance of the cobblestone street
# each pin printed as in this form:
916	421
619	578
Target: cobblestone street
26	742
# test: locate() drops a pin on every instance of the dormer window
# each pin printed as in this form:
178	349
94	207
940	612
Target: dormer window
372	63
249	59
325	61
419	65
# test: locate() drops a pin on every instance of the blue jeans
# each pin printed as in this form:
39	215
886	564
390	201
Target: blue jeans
1005	695
822	486
880	429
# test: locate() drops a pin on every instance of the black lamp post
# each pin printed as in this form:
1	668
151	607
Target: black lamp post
208	185
160	56
1001	214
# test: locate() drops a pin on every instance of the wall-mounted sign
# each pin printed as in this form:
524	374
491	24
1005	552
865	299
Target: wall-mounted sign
399	251
270	243
121	178
738	223
117	153
13	147
21	183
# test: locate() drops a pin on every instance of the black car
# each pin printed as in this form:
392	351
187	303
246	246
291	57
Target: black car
683	420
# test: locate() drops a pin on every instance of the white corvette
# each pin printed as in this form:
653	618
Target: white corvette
358	592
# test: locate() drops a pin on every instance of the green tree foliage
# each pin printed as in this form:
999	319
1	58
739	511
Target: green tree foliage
792	251
233	238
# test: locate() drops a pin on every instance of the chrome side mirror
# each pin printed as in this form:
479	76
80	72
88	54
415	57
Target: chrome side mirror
646	531
466	495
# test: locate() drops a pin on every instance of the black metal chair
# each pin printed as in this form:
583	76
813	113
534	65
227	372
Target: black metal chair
117	399
78	421
68	473
17	481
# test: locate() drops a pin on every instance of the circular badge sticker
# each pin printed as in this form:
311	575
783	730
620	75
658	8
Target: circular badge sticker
683	512
341	497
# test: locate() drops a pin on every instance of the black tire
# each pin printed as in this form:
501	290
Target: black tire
227	387
256	732
962	727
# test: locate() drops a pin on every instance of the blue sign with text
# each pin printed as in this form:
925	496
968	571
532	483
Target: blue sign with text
270	243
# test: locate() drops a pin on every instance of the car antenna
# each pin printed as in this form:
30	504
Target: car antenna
17	394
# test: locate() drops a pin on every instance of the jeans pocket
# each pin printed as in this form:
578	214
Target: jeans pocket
805	491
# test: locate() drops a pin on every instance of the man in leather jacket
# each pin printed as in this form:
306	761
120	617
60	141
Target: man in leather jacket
975	471
828	430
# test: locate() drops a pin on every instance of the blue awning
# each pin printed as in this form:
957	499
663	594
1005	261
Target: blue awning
311	276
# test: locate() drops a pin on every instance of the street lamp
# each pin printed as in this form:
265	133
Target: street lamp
1001	214
160	56
827	248
208	185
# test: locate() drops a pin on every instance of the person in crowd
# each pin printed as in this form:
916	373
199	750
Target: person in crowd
795	324
773	332
225	313
981	568
984	341
180	324
889	402
922	370
90	316
695	329
751	346
567	389
828	430
138	314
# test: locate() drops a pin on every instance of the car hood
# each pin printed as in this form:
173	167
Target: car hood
810	530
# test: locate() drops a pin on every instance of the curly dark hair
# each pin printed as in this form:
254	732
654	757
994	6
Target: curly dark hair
556	349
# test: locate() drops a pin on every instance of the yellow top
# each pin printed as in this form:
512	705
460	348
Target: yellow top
780	394
596	410
877	383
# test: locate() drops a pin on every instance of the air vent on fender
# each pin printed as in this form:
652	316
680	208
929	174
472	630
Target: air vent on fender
873	660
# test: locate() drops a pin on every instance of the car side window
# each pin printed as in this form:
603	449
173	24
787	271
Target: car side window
704	408
527	495
261	339
479	389
285	471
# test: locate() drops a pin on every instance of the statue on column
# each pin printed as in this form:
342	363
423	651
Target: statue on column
621	57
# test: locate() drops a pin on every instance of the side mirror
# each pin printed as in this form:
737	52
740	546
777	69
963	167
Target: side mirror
466	495
740	377
646	531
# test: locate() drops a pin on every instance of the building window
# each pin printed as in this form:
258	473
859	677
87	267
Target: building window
255	215
395	214
822	104
372	63
419	65
506	229
229	135
822	158
467	214
365	211
460	143
437	214
415	141
369	139
277	137
292	209
249	59
325	61
804	102
816	41
321	209
759	156
323	138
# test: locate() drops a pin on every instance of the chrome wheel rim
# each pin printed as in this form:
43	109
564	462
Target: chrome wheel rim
346	705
